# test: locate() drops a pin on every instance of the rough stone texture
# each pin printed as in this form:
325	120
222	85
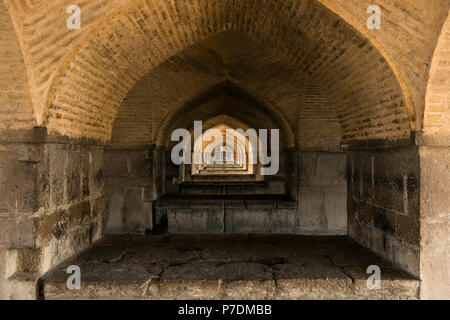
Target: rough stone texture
434	222
51	207
130	187
321	207
322	193
228	214
71	215
383	203
227	267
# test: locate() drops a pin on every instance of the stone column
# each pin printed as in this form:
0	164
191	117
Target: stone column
434	222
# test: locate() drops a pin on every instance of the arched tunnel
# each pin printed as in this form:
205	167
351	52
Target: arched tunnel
355	130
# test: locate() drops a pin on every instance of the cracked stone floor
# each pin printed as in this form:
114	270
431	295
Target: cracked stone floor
227	267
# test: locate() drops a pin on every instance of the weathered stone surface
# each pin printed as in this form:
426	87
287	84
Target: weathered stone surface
384	199
391	286
435	222
195	220
283	221
248	221
116	164
311	282
322	193
227	267
22	261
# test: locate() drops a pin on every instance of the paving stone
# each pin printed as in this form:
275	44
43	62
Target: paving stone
226	267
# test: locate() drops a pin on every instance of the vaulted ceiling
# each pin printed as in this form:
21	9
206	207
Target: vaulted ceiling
375	80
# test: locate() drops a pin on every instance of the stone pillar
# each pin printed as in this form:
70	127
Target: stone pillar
19	196
434	222
51	205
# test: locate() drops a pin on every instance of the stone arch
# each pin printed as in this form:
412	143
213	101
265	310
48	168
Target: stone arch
109	62
241	147
254	68
233	90
436	123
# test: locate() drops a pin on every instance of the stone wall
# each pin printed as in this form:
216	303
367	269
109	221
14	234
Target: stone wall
134	182
134	179
51	205
214	216
322	192
383	203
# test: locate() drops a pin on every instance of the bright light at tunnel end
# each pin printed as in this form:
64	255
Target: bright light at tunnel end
208	147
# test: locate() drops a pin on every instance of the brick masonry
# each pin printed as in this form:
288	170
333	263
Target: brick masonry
139	62
418	35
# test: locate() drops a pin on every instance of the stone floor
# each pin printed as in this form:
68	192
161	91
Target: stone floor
227	267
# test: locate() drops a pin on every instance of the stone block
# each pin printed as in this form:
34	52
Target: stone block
283	221
78	214
22	261
189	289
58	173
213	204
331	168
392	171
260	204
408	229
115	164
307	163
250	289
98	208
148	194
312	214
17	183
139	164
29	152
195	220
51	225
136	214
385	220
248	221
115	203
190	281
23	289
335	203
97	172
310	281
394	283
